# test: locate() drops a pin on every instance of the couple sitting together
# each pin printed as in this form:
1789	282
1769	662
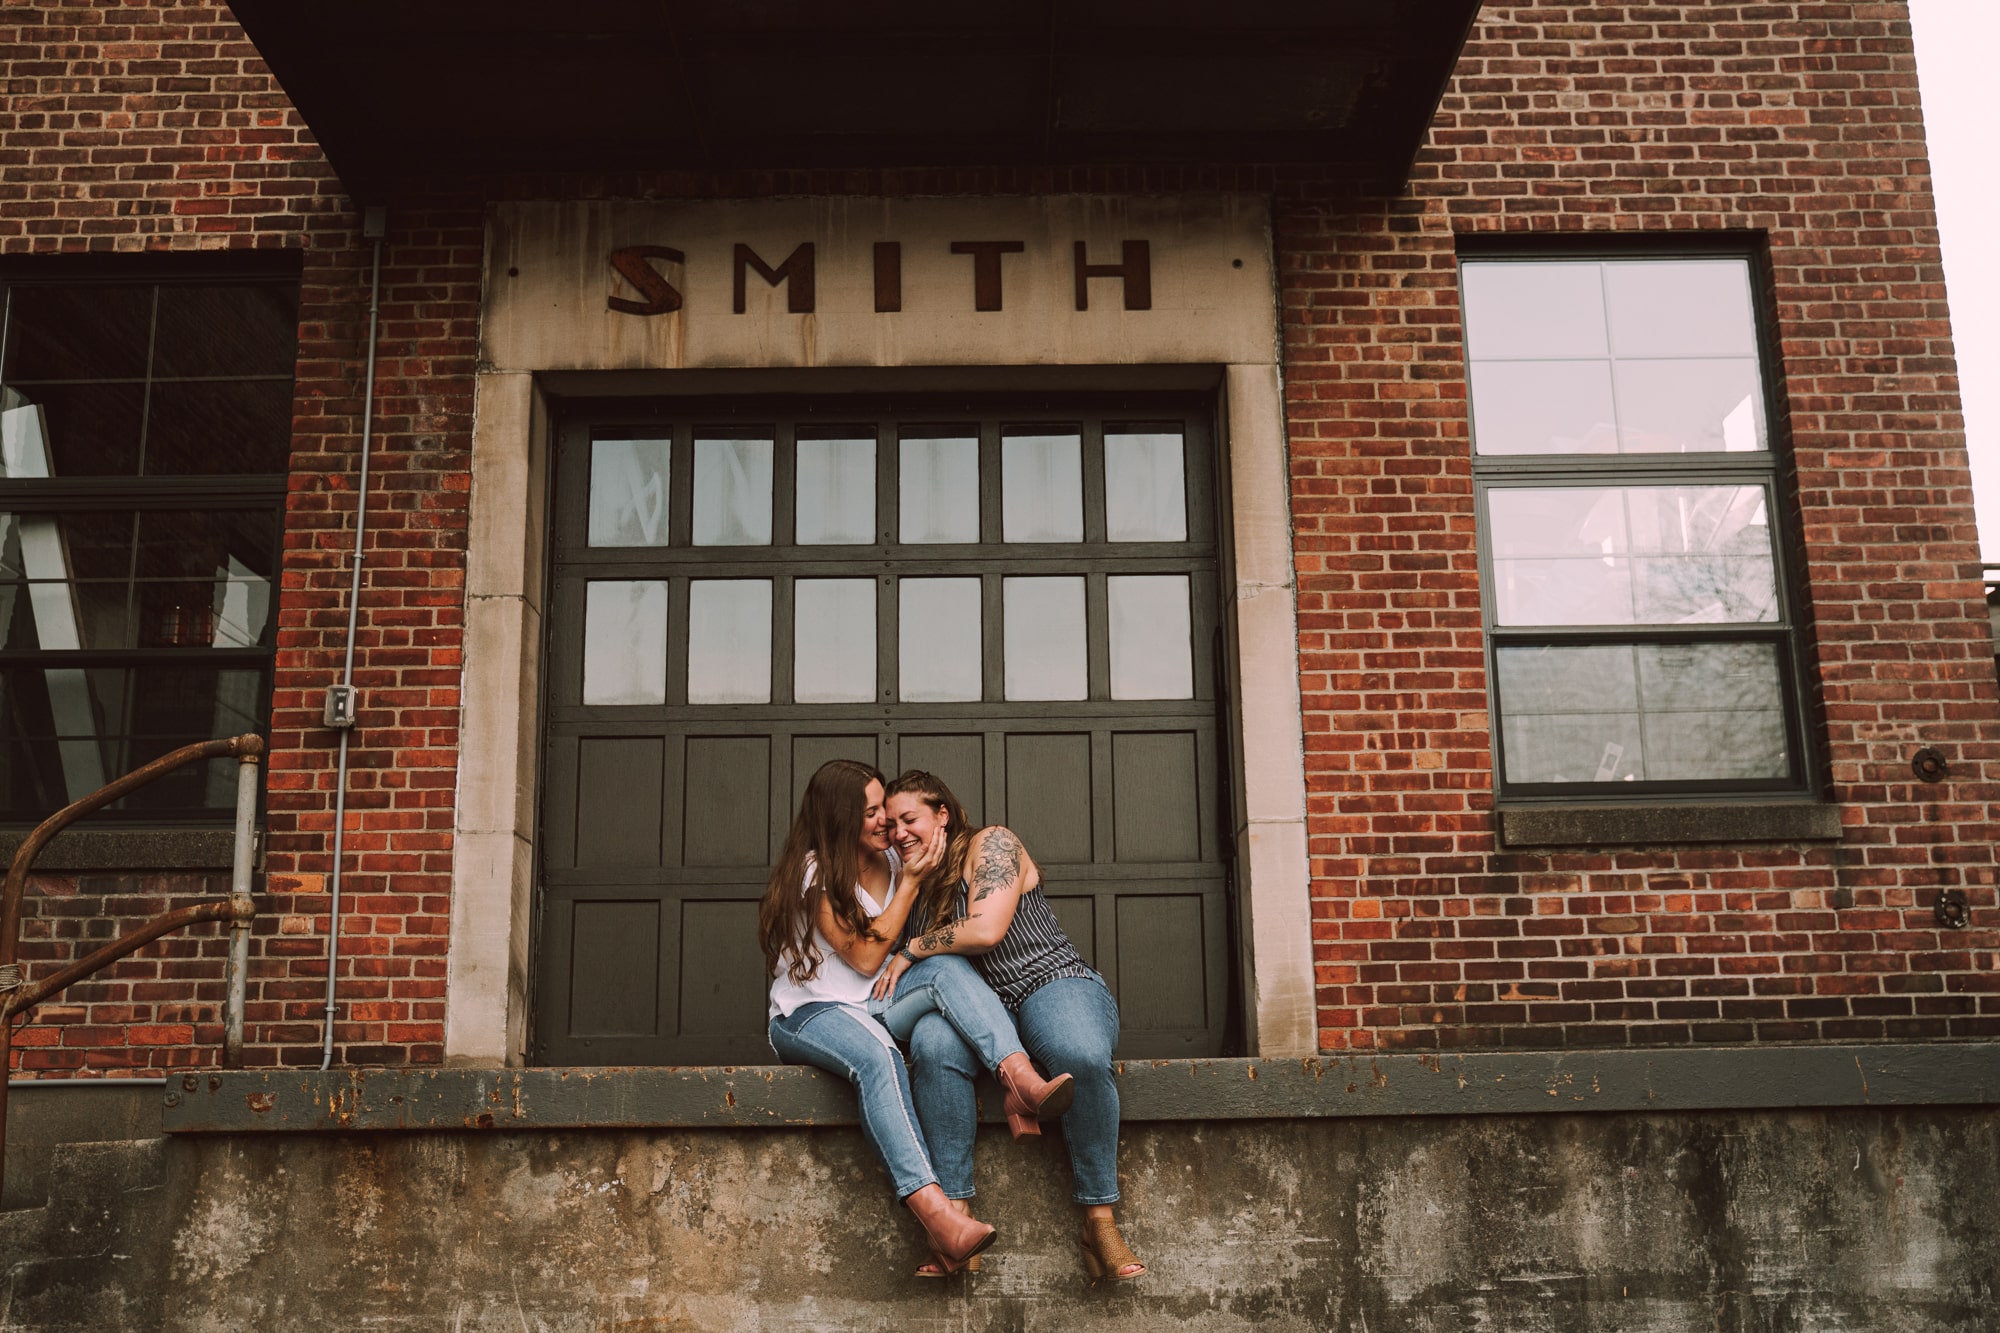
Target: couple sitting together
889	918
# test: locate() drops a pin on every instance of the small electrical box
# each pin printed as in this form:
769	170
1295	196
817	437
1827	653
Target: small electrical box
342	702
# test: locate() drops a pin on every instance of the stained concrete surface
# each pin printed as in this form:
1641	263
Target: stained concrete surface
1776	1222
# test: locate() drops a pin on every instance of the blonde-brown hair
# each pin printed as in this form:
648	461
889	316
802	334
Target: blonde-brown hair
825	835
939	891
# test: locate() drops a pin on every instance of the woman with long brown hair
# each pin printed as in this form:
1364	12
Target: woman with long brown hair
830	915
982	899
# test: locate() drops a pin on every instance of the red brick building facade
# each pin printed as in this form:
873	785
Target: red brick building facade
1792	132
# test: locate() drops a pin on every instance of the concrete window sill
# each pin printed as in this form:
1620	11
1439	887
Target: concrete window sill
1635	825
791	1097
129	849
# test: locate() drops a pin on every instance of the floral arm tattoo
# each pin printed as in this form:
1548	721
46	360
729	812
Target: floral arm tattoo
999	866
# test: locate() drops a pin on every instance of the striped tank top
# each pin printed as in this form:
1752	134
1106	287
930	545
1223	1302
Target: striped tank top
1032	953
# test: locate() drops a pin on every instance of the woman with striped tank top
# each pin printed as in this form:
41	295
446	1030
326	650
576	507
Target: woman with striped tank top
983	899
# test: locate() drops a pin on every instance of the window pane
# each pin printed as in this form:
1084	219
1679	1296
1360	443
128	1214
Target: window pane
939	490
219	426
625	642
1543	407
1045	653
732	492
1642	712
1689	406
72	430
729	641
1631	555
1533	310
629	485
1680	307
833	641
1145	487
938	640
836	492
1152	653
1041	488
245	329
73	333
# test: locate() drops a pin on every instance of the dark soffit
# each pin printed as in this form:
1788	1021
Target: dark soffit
398	91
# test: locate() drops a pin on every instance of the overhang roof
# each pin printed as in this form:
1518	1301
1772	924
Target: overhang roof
398	90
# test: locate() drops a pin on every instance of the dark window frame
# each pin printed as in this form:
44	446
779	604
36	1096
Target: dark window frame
1771	468
141	492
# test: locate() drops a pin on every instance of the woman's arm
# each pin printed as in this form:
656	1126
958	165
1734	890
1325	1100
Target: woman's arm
1000	870
865	954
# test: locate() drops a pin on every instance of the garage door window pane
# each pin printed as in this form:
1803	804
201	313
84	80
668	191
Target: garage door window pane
939	489
628	492
1045	651
625	642
1145	487
729	641
836	492
1151	650
833	641
732	492
1041	488
938	642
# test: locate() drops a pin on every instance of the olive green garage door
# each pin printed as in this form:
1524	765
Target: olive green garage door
1020	596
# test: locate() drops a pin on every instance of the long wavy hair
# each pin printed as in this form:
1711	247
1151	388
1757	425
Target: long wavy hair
825	844
938	894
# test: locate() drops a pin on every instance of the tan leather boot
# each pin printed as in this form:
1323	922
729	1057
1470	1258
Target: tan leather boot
954	1236
1030	1097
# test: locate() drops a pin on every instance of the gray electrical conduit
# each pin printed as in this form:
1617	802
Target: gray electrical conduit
373	226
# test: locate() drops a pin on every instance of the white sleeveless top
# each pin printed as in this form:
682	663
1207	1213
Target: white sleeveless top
836	982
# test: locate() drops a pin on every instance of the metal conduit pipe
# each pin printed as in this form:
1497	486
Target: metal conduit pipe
340	703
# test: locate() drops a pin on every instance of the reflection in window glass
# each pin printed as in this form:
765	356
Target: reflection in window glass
1044	652
1642	713
939	489
732	492
1680	307
938	640
1152	650
836	492
1538	311
1543	407
1547	343
1041	488
628	492
833	641
729	641
1145	487
625	642
1631	555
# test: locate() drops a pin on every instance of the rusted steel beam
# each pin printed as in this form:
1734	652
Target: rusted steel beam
788	1096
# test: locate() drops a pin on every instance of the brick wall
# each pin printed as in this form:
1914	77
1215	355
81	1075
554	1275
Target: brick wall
1797	120
137	128
156	128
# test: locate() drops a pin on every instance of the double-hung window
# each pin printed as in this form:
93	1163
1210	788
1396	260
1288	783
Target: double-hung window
1639	623
145	429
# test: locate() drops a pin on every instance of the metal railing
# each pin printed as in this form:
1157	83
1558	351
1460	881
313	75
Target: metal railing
237	909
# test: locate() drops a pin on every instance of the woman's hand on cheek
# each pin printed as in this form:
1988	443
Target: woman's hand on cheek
885	985
927	855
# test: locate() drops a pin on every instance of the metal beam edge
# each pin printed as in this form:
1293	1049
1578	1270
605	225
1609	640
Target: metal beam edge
790	1097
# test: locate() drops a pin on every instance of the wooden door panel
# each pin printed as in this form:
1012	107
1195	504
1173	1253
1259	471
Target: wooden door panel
727	796
1155	804
1049	795
959	760
614	939
619	812
723	988
1157	935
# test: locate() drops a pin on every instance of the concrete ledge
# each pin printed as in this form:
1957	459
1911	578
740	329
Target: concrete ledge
1632	825
781	1096
130	849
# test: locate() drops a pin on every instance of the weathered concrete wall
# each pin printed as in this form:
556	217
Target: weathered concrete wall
1856	1219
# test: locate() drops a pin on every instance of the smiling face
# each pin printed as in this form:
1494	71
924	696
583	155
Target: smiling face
874	821
914	821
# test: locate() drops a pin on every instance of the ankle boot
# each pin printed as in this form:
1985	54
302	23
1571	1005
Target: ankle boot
954	1236
1030	1097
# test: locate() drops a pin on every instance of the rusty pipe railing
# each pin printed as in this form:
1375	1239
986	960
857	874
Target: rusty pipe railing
238	909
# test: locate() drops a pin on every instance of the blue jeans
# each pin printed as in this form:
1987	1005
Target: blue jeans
1069	1027
832	1037
947	985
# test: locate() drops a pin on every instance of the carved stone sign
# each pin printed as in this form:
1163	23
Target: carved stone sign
1062	279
